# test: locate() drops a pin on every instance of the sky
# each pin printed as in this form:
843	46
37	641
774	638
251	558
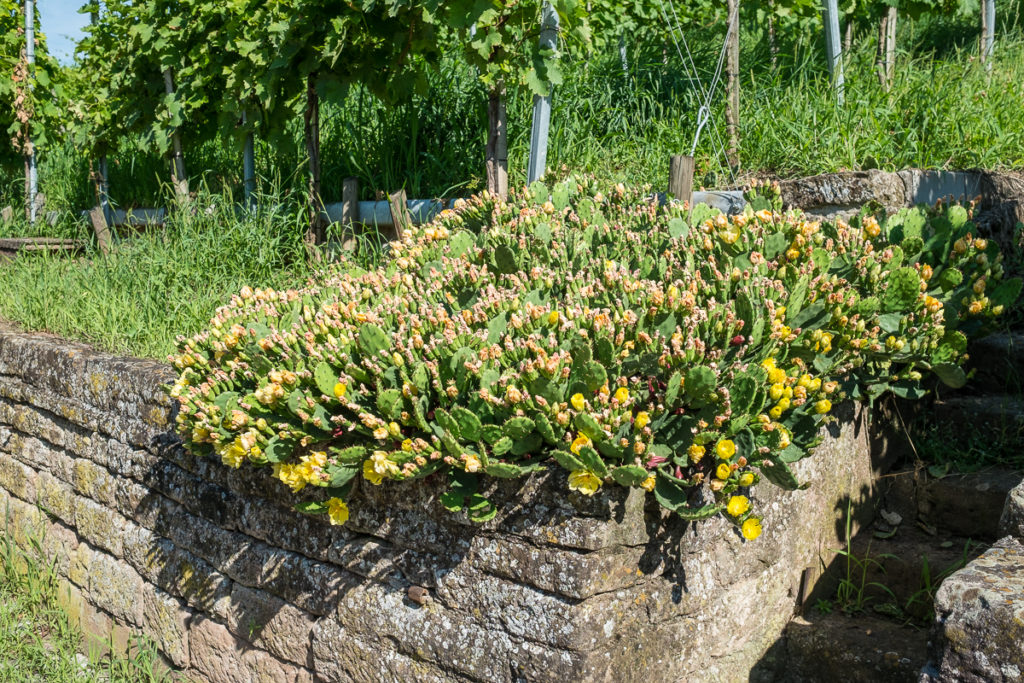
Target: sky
62	25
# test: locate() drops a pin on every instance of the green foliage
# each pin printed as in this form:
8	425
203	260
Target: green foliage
28	97
622	353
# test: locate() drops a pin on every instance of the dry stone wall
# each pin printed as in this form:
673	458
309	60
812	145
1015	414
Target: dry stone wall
233	585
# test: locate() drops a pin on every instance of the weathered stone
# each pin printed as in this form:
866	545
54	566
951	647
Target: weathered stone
166	620
979	620
56	497
844	190
272	624
25	522
928	187
220	656
78	566
1012	521
341	656
562	571
42	456
59	544
18	479
100	525
94	481
115	587
177	571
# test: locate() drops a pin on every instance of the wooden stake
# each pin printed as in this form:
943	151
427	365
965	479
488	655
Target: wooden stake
100	227
178	177
400	213
497	142
732	69
890	47
680	178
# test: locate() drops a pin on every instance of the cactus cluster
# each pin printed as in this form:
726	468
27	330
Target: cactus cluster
629	342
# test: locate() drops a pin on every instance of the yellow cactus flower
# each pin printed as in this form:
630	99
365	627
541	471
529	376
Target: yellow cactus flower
642	420
747	479
579	442
725	449
777	376
577	401
648	483
768	364
823	406
737	506
751	528
696	452
776	391
622	394
553	318
584	482
337	511
371	474
723	471
472	462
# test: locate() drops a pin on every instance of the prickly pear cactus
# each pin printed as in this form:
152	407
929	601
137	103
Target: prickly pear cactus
687	353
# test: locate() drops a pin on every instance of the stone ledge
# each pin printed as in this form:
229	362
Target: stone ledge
979	620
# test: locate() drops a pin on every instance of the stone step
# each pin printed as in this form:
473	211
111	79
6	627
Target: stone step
998	363
979	620
968	505
900	574
993	411
863	648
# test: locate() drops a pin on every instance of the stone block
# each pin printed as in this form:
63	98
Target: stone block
562	571
17	478
100	525
177	571
56	497
271	624
78	566
1012	521
59	544
94	481
166	620
220	656
115	587
341	656
447	638
26	523
979	620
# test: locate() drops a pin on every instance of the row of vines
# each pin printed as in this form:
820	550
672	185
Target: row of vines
164	70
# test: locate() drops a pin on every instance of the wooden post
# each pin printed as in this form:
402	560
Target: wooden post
890	47
497	142
732	70
349	212
833	46
249	166
101	228
400	213
178	177
31	173
542	103
988	31
315	231
680	178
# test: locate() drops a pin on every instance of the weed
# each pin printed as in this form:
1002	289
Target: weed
37	639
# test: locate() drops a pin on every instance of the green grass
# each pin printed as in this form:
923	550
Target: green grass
163	283
38	642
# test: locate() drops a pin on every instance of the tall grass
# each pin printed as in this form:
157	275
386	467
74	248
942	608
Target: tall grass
39	641
166	282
